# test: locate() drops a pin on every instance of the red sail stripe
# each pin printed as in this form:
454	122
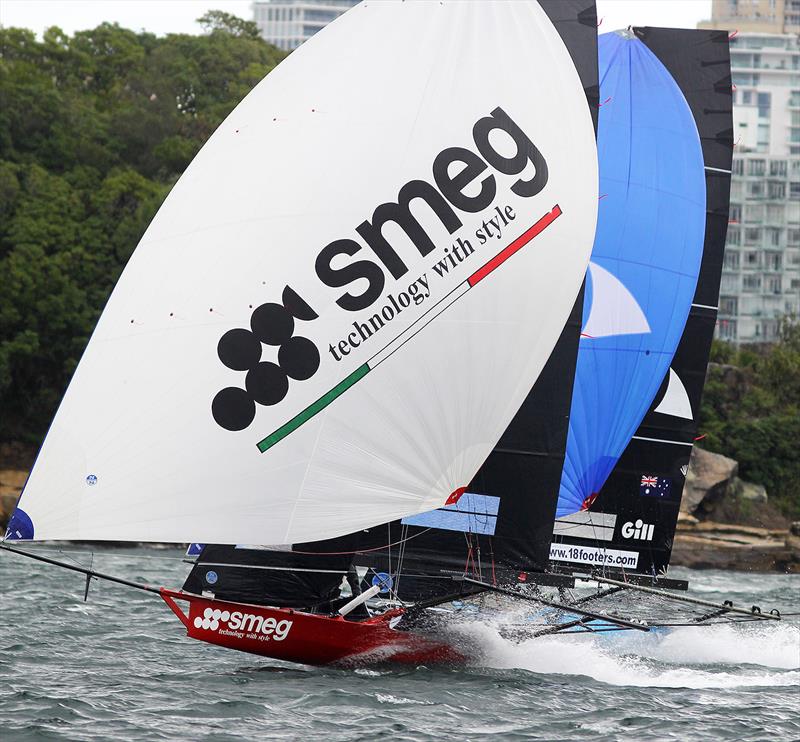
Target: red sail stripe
517	244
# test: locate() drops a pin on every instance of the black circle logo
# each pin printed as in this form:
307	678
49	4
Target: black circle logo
266	383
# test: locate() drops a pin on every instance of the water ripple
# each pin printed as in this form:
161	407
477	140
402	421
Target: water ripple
120	668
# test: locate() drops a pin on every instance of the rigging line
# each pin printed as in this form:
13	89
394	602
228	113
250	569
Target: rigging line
65	552
275	568
687	599
401	557
359	551
82	570
89	554
552	604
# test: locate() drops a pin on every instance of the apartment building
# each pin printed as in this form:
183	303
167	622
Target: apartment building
288	23
761	273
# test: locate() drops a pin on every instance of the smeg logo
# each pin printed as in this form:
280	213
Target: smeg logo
266	382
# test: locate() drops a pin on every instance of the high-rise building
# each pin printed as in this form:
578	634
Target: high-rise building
761	273
763	16
288	23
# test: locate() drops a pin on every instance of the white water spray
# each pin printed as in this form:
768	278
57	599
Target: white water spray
707	657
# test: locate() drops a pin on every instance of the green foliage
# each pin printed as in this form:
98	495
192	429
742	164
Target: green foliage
215	21
94	130
751	412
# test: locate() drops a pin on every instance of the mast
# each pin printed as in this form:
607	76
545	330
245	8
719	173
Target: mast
634	515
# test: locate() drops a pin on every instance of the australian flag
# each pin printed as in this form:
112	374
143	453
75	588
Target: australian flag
652	486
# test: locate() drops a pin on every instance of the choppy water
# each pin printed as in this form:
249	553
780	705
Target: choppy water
119	667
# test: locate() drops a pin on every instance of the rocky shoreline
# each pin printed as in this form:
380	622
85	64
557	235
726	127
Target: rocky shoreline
724	523
727	523
711	545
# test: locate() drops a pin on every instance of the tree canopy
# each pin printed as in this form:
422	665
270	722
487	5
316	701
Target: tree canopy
94	130
751	412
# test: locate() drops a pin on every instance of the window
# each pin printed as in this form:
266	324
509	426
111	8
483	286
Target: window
763	105
794	190
326	16
745	78
774	284
731	259
738	167
754	213
735	213
728	304
727	329
793	236
730	283
775	211
755	189
756	167
751	283
734	237
773	261
751	259
777	168
752	235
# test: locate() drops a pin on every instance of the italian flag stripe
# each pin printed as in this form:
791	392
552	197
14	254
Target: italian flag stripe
518	243
313	408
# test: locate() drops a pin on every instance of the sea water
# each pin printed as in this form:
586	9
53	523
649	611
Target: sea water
119	667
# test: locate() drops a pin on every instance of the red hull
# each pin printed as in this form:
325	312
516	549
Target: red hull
311	639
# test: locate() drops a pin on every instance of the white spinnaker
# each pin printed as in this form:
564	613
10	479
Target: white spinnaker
675	401
337	129
614	310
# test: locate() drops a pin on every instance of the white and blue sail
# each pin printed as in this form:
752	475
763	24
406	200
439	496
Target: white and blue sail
644	266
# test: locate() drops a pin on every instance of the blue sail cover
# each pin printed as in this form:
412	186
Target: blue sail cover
645	261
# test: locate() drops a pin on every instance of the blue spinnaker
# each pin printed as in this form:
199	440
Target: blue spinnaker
645	261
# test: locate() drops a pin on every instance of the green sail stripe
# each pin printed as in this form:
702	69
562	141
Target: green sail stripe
313	409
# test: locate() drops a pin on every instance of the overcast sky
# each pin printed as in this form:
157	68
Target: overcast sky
178	16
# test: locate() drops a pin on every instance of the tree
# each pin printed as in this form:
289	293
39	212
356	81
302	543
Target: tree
217	21
94	130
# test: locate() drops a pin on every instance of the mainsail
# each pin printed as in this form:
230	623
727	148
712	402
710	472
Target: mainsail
347	296
625	518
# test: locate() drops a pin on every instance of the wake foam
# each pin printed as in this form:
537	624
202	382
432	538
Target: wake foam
721	656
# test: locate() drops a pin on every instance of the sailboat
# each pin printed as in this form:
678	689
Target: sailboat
328	325
491	539
650	317
360	305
